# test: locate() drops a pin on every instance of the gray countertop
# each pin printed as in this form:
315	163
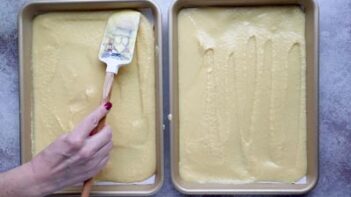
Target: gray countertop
335	95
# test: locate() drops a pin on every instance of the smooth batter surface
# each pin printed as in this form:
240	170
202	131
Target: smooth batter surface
242	94
68	80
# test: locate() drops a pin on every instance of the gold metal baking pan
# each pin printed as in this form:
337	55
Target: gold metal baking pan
310	8
28	12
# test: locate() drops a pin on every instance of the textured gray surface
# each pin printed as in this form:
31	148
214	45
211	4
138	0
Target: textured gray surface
335	95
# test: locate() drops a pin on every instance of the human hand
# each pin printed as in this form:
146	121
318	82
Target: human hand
74	157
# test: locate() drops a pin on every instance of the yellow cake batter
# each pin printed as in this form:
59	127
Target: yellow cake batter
68	80
242	94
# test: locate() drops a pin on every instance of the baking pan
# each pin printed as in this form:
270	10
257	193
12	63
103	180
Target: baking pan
28	12
310	8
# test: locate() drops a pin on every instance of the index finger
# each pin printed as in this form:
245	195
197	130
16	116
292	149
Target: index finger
84	128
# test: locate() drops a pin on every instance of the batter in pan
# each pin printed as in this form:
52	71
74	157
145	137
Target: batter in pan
242	108
67	84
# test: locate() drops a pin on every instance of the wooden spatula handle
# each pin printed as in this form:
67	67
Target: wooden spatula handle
88	184
106	94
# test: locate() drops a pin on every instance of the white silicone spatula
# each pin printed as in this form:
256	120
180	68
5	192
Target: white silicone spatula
116	50
117	46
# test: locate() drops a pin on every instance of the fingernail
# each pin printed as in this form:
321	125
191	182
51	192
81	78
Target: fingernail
108	105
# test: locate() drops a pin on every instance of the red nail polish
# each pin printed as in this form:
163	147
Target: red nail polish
108	105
